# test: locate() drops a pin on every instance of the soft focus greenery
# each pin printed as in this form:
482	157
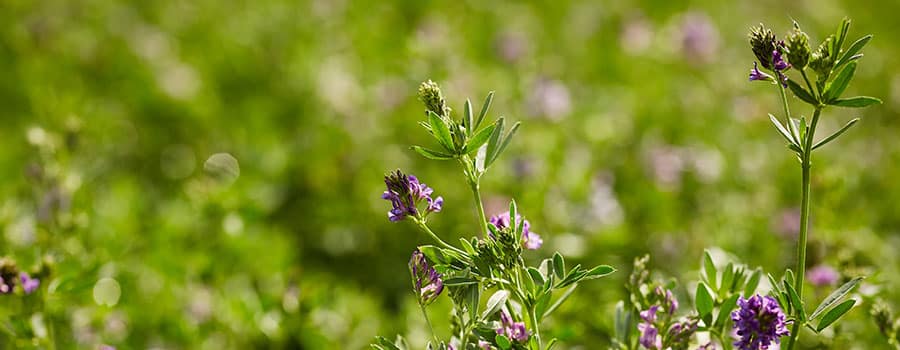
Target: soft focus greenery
640	135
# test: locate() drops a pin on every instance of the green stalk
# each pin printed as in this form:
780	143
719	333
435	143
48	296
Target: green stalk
424	227
535	325
427	321
474	184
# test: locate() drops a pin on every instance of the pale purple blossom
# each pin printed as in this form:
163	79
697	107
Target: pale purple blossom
427	282
822	275
29	284
756	74
759	323
530	240
405	193
649	338
515	331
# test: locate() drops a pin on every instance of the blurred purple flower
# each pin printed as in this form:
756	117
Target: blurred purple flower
649	338
484	345
530	240
405	193
550	98
822	275
699	38
513	330
29	284
5	288
759	323
426	281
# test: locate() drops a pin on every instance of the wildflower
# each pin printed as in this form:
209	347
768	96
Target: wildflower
650	338
668	299
405	193
759	322
822	275
530	240
778	62
680	333
484	345
426	281
29	284
513	330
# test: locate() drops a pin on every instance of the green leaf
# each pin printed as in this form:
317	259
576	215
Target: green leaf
727	279
536	276
467	246
781	130
460	281
836	134
427	153
540	306
855	102
835	314
474	300
468	119
494	142
494	303
725	309
709	267
840	36
513	212
854	48
599	271
801	92
479	139
502	341
752	283
795	130
623	322
484	108
509	136
703	300
559	265
434	254
796	302
836	295
441	131
834	89
385	344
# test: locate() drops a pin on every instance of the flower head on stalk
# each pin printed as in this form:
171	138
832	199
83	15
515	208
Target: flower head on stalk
759	323
426	281
530	240
406	193
515	331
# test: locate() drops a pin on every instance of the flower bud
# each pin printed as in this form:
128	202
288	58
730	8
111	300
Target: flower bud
762	41
798	48
430	95
821	61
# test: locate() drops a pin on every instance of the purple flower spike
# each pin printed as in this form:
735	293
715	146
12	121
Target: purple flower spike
29	284
759	323
515	331
426	281
650	338
778	62
756	74
822	275
406	193
530	240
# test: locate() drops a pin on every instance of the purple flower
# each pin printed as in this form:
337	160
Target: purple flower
29	284
778	62
405	193
530	240
513	330
484	345
649	338
822	275
426	281
756	74
759	323
4	287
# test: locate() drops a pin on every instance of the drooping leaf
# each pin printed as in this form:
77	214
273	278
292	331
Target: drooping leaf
801	92
427	153
835	313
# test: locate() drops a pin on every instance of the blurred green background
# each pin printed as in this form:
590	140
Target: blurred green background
640	135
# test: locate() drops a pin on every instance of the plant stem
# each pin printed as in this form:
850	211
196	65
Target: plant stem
427	321
476	193
535	325
424	227
805	165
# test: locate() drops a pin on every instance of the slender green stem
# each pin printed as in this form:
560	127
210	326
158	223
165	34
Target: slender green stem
427	321
536	326
804	219
476	193
808	84
424	227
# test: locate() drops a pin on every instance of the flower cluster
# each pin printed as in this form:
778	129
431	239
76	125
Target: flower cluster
406	193
530	240
515	331
770	53
426	281
9	274
759	323
678	333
